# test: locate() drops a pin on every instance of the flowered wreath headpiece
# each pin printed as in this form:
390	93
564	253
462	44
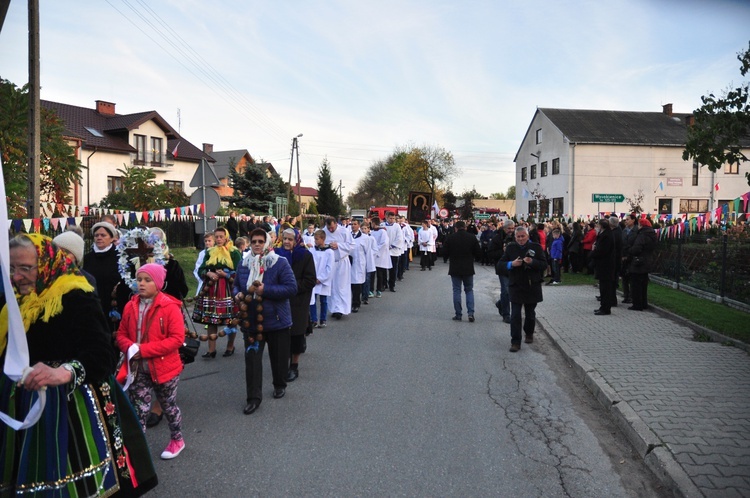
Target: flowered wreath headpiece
128	265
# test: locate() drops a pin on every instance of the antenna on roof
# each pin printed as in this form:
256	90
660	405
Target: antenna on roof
179	120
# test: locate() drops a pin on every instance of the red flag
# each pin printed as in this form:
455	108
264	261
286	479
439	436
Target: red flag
716	187
174	151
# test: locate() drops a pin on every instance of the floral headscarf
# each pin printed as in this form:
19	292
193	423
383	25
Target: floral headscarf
57	275
258	264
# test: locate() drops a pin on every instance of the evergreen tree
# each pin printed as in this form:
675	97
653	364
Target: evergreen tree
254	189
328	201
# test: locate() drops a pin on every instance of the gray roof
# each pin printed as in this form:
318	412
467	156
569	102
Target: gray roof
226	157
620	127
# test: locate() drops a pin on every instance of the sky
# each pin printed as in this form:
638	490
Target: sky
360	78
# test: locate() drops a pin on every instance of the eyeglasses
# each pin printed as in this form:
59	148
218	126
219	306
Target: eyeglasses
258	241
22	270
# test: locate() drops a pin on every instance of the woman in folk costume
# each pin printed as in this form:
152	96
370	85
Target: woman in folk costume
265	283
88	441
214	304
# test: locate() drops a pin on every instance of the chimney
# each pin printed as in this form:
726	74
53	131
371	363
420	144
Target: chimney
690	120
667	109
105	108
208	148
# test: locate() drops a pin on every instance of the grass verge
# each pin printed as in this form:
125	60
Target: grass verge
714	316
186	256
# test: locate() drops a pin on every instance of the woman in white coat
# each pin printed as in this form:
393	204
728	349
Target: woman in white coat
426	243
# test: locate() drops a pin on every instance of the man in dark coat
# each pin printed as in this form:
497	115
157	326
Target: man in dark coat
641	260
603	256
614	225
524	263
232	226
461	248
505	235
628	237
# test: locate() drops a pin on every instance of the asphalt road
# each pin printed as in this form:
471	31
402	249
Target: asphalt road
398	400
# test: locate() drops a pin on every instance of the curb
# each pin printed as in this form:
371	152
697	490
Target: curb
656	457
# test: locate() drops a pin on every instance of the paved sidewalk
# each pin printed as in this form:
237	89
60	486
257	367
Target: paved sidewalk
685	405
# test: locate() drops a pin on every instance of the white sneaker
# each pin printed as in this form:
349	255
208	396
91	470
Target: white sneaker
173	449
555	283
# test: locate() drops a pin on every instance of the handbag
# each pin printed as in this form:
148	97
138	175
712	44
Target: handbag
189	350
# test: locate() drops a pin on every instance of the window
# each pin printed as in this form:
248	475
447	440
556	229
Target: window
556	166
156	150
114	184
696	170
543	172
557	207
532	207
173	185
543	208
523	174
533	171
140	149
539	136
732	169
665	206
693	205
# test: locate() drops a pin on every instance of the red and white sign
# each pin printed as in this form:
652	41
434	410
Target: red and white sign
443	213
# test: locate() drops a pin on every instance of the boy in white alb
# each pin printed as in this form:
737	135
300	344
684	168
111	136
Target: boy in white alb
323	258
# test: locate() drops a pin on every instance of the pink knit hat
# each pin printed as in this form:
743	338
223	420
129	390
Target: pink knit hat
157	273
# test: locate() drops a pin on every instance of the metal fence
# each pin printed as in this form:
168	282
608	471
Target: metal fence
715	261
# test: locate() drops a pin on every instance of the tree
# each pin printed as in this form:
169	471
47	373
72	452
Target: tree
141	193
511	193
636	202
328	201
449	201
59	167
722	126
254	189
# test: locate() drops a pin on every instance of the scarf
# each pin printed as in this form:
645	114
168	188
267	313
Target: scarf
57	275
222	255
298	250
259	263
97	250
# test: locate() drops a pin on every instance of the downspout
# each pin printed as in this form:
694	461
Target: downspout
88	179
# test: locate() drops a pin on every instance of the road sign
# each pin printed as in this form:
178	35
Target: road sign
482	216
205	175
444	213
211	200
607	198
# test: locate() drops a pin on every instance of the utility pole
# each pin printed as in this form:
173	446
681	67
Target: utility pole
33	199
291	167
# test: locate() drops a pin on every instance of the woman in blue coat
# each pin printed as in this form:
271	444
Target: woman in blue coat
262	288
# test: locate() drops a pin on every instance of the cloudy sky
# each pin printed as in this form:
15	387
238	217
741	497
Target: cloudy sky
359	78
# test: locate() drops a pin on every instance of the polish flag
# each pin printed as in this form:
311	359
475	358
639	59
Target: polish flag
716	187
174	152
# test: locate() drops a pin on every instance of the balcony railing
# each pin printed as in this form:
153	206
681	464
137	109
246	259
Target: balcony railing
157	160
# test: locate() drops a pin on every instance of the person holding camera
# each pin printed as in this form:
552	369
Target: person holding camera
524	263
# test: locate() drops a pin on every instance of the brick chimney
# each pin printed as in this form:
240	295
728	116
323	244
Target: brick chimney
105	108
690	120
667	109
208	148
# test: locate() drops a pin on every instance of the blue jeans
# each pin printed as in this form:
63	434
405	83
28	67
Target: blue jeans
556	269
504	296
366	286
468	283
323	309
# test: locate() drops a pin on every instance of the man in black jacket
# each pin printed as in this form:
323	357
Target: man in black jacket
497	247
461	248
603	256
524	263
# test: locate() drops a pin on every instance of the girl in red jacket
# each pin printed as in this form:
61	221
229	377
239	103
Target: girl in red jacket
151	332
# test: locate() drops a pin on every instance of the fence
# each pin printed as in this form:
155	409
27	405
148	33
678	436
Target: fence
179	233
714	261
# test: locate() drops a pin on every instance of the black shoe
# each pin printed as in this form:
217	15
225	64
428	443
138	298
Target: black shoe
598	298
154	419
627	301
365	302
209	354
529	339
355	309
457	318
292	375
515	347
251	407
471	318
279	393
337	316
422	269
392	290
634	308
506	319
228	352
602	312
400	279
497	305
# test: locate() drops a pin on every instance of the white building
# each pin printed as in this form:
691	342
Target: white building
570	159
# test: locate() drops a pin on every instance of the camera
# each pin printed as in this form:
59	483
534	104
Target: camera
530	253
